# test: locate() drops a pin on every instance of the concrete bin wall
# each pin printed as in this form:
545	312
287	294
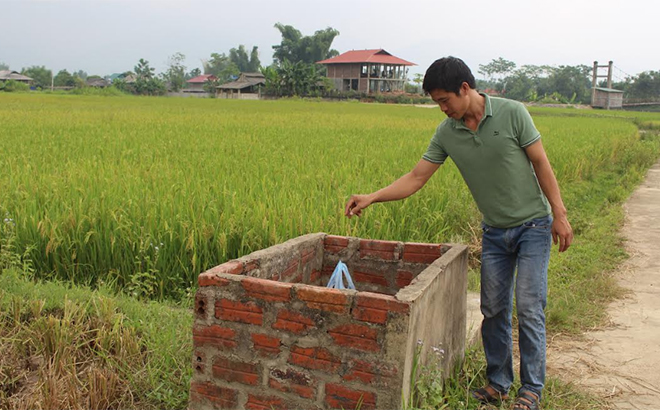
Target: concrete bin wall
268	334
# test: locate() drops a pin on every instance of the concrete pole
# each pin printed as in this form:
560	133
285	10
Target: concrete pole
609	74
593	83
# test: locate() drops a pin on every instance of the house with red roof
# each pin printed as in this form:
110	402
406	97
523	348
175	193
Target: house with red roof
370	71
196	84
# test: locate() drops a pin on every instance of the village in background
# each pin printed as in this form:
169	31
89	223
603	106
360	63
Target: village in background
307	66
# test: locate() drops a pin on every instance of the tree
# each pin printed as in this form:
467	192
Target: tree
643	86
308	49
64	79
194	73
143	71
245	63
4	66
221	66
81	74
40	75
176	72
499	67
571	82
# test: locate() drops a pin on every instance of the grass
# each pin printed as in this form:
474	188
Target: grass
66	347
138	195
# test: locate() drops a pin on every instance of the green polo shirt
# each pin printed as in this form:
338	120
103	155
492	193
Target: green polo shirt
493	162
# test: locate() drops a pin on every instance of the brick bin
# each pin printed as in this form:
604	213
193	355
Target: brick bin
269	335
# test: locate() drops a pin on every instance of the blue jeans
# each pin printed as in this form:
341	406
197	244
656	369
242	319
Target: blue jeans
526	247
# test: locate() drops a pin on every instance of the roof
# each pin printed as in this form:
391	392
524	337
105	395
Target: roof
378	56
608	90
13	75
97	82
245	80
202	78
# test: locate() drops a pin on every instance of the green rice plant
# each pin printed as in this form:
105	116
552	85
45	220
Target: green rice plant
143	194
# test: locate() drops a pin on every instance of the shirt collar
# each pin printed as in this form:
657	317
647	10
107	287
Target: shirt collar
488	111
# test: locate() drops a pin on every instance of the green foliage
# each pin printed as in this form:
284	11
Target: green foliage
307	49
644	86
497	68
245	63
195	72
221	66
83	75
176	72
143	71
571	82
64	79
40	74
13	85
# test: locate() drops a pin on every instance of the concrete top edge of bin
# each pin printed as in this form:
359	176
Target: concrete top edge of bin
436	257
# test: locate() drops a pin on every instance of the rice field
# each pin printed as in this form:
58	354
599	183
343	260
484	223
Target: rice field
145	193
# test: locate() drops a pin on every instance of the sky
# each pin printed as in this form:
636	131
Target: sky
109	36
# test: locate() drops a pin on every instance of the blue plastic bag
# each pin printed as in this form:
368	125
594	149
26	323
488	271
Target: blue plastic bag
337	278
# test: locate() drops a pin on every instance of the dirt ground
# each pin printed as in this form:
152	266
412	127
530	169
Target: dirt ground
622	362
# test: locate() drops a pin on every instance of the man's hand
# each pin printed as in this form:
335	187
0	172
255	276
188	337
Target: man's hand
356	204
562	233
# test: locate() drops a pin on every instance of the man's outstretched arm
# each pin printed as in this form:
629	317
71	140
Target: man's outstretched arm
403	187
561	228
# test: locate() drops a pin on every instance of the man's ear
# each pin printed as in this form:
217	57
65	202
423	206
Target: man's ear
465	87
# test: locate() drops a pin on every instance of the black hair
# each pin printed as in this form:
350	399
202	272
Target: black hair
448	73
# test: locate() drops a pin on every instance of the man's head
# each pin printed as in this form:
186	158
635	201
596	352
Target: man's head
448	81
448	73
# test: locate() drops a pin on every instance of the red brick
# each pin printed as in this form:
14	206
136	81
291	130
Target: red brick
211	279
315	277
307	256
403	278
376	278
251	265
315	358
215	336
291	381
266	345
232	371
264	403
330	300
369	372
334	244
198	361
292	322
223	397
291	270
302	391
374	307
200	306
421	252
232	267
340	397
267	289
356	337
249	313
386	250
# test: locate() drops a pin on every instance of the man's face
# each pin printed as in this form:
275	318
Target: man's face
452	104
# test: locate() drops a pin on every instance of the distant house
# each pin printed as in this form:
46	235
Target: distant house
370	71
97	82
246	87
14	75
196	84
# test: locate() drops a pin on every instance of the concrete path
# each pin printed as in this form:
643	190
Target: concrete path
622	362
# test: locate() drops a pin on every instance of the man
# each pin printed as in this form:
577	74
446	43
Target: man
496	147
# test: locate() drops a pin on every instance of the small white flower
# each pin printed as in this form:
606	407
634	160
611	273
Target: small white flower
420	342
156	247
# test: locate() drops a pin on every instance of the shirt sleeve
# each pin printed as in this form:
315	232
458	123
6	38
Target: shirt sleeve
435	153
526	131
